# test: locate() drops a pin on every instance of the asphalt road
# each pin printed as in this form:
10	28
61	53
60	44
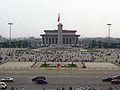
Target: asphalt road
60	78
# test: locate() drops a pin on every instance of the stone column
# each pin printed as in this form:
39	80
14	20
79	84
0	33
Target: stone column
73	41
48	41
65	40
56	40
45	40
53	40
60	36
77	40
69	41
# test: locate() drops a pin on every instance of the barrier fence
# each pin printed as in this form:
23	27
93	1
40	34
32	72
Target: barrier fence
60	68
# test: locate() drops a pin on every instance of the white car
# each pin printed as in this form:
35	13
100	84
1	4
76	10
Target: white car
81	88
7	79
3	85
116	77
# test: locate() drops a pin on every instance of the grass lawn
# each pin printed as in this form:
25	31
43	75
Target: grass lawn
67	65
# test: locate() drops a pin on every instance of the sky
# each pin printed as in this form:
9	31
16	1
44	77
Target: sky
32	17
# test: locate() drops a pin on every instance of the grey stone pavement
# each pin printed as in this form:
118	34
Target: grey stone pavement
89	65
59	78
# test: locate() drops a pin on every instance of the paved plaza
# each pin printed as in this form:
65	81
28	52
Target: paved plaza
13	65
24	64
101	65
60	78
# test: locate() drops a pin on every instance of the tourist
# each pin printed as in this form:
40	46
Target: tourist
53	88
70	88
63	88
12	88
116	88
22	88
89	88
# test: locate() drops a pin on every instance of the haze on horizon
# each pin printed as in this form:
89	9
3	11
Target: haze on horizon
32	17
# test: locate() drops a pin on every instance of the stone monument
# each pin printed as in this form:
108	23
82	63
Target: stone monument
60	36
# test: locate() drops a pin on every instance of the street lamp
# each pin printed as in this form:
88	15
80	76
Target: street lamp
109	31
10	32
109	34
10	38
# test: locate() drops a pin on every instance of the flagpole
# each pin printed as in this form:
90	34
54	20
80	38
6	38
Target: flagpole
58	17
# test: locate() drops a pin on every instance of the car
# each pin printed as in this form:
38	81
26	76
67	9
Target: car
115	81
38	77
116	77
7	79
41	81
3	85
107	79
81	88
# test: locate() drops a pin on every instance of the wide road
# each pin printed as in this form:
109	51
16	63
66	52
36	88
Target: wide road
60	78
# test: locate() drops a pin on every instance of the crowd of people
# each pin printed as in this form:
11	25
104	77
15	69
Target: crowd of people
23	55
71	88
84	88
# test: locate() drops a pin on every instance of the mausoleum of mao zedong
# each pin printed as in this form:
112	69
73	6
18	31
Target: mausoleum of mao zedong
60	37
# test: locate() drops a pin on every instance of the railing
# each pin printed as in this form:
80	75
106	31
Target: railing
55	68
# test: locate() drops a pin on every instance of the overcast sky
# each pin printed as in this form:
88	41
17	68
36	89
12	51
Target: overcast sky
32	17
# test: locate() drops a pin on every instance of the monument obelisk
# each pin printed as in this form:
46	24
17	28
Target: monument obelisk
60	36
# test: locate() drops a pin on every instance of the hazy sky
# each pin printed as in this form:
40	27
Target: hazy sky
32	17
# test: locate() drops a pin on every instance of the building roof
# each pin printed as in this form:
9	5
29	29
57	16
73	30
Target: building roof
57	34
62	30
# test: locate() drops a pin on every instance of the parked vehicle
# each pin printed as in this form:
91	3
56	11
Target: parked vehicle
79	88
39	77
41	81
107	79
116	77
7	79
3	85
115	81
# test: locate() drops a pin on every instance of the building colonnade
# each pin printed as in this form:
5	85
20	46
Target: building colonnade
54	40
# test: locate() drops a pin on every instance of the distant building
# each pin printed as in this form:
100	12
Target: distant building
65	37
3	39
33	42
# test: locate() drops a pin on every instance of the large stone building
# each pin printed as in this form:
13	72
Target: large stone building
60	37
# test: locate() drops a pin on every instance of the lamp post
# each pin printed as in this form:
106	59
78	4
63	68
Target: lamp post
10	33
109	34
10	30
10	24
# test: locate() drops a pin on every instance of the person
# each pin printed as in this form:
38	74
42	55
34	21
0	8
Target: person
12	88
116	88
93	88
70	88
59	88
22	88
110	88
98	88
89	88
53	88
